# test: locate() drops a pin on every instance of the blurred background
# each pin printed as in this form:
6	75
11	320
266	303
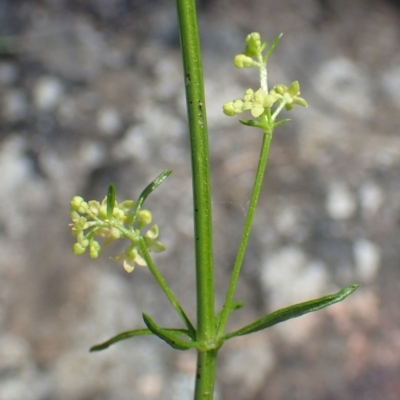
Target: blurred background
91	93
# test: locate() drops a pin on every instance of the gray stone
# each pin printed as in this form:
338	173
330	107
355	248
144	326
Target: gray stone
340	202
367	258
47	93
109	121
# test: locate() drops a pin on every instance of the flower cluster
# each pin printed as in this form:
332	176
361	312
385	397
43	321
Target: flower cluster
260	102
90	220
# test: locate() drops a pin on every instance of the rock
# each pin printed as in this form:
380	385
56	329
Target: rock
47	93
367	258
390	81
371	198
340	203
15	174
109	121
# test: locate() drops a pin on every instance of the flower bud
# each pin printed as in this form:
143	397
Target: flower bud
118	213
115	233
144	218
153	232
75	216
103	211
238	106
94	249
253	44
280	89
127	205
78	249
243	61
128	267
94	207
228	109
78	204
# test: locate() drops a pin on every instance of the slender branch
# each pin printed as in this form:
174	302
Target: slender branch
246	231
164	285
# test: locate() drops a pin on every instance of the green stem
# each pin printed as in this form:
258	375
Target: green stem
205	375
246	231
196	109
200	168
164	285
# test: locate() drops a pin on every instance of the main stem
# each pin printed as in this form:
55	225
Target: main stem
194	85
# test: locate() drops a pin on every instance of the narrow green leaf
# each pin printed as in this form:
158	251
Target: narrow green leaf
110	202
272	47
281	122
170	336
252	123
119	337
153	185
149	188
293	312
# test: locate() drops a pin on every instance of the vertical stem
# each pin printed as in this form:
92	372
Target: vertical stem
200	167
205	375
196	108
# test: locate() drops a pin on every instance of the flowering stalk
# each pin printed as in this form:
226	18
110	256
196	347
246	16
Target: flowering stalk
265	106
110	220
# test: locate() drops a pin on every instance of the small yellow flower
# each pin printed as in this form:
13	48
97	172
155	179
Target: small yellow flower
131	257
290	95
90	220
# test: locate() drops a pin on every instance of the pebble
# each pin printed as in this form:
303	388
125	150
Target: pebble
340	203
109	121
47	93
371	198
15	173
367	259
390	82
